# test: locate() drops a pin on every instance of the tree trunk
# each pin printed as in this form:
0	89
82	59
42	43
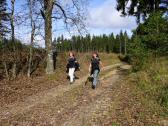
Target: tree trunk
120	47
48	5
30	62
13	39
4	62
32	40
156	52
6	70
125	46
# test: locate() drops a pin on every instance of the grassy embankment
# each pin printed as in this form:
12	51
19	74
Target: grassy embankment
150	88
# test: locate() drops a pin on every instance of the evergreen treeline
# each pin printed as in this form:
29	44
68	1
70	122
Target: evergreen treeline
149	41
100	43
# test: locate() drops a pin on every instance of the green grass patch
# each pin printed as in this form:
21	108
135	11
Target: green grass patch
153	81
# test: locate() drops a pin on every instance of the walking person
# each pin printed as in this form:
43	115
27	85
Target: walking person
71	66
94	69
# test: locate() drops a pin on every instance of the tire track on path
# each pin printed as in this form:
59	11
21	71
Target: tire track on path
44	97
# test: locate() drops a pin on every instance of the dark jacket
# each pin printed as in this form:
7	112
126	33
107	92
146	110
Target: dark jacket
95	64
72	64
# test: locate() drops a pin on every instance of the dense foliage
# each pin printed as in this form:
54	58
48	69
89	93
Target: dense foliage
153	33
149	39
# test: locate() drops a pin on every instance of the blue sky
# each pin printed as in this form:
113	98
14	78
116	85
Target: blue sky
102	18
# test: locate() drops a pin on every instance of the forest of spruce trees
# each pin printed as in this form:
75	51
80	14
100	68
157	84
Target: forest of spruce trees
98	43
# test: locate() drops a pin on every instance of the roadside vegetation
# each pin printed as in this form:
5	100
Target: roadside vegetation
148	55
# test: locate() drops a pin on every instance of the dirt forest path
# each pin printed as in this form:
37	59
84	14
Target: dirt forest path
70	105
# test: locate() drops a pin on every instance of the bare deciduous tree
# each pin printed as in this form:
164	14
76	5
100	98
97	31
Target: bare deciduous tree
72	13
32	22
11	16
48	8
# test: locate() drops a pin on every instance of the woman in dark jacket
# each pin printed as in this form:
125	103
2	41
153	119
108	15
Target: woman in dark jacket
94	68
71	66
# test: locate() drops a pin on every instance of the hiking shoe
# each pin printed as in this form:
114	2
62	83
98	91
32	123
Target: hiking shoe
93	86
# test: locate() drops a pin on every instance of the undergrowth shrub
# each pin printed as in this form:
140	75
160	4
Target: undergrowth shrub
138	55
163	96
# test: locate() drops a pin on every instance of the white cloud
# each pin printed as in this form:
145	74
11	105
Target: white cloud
106	16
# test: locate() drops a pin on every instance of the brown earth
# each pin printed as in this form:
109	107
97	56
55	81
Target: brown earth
51	101
59	93
22	87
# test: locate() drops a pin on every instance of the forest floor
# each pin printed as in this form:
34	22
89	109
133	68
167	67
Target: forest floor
113	103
